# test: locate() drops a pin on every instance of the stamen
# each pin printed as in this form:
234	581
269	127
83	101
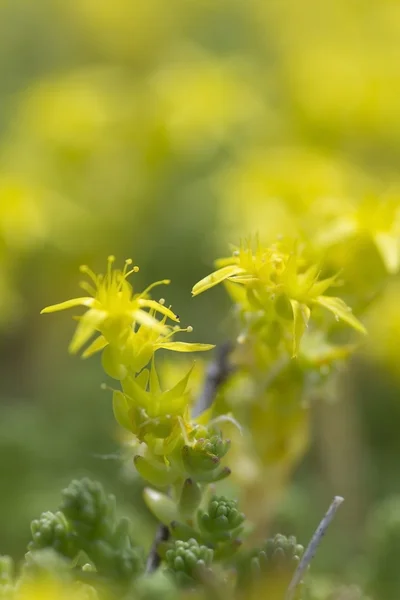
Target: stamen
161	301
177	329
88	288
104	386
87	271
110	262
124	273
152	285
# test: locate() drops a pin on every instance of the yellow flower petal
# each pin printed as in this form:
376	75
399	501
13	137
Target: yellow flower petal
341	311
389	248
97	345
159	308
144	318
184	346
87	326
215	278
85	301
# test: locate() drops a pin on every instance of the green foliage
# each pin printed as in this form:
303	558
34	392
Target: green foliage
275	561
6	578
87	523
52	530
382	573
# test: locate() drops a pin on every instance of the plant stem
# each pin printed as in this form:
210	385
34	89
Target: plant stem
154	559
217	373
312	546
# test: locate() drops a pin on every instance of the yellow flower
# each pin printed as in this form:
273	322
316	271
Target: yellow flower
53	589
279	283
113	308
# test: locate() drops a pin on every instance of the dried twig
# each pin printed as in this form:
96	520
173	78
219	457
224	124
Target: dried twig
217	373
154	559
312	546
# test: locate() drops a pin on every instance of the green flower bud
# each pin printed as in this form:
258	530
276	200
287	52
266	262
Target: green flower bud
91	516
87	507
188	561
202	458
223	520
53	531
282	550
276	560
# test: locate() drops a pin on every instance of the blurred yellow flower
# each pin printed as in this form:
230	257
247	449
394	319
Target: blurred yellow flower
54	589
277	279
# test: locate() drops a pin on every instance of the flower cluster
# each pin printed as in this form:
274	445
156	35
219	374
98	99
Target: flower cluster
174	445
188	561
279	286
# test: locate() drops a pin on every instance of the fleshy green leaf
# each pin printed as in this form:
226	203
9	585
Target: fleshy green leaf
112	364
161	505
143	378
121	410
156	474
136	392
190	497
154	381
179	388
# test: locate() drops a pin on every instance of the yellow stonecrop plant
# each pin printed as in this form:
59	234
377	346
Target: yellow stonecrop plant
279	351
174	445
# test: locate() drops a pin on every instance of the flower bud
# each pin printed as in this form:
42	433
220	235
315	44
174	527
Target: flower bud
188	561
222	520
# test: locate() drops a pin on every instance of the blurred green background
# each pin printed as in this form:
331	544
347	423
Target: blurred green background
163	131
